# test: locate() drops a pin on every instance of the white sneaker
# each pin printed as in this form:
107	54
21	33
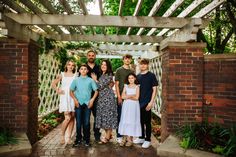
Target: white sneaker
138	141
146	144
118	139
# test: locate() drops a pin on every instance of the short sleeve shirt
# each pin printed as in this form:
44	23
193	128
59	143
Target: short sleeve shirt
121	74
146	81
82	88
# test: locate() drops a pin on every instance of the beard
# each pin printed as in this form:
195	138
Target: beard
91	60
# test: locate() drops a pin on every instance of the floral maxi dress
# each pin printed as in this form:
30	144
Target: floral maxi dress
106	106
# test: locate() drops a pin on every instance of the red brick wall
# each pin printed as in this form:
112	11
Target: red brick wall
182	82
18	82
220	89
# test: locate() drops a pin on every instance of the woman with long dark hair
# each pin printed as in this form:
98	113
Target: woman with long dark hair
106	106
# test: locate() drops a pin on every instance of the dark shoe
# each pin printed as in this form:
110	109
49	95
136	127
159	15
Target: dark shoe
77	143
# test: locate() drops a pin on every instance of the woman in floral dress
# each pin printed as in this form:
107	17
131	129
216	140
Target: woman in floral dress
106	106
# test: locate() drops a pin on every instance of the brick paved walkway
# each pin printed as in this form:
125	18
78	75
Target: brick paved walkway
50	146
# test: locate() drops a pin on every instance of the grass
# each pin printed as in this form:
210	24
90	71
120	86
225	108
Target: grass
6	137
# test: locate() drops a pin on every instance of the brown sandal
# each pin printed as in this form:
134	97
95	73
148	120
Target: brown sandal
129	143
122	143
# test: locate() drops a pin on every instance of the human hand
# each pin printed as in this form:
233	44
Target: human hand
149	106
76	103
94	76
90	104
119	100
111	84
60	91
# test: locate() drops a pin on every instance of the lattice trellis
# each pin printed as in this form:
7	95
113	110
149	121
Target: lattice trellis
48	69
156	68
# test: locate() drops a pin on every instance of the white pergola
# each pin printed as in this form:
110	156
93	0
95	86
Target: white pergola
24	20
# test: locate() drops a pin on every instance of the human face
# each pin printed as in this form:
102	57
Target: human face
131	79
91	56
70	66
104	67
127	61
83	71
143	67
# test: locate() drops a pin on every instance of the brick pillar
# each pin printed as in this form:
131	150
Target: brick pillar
182	81
19	87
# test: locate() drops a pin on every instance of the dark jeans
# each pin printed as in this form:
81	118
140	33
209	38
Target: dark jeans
96	131
119	108
146	121
82	115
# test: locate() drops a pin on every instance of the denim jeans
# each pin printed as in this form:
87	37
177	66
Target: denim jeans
82	115
96	131
119	109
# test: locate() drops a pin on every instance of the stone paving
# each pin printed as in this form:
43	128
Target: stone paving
50	146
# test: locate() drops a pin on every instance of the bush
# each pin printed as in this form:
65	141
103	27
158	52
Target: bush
6	137
209	137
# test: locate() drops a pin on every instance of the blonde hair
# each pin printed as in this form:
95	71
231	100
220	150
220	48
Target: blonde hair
65	68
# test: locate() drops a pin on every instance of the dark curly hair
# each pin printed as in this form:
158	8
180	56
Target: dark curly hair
127	78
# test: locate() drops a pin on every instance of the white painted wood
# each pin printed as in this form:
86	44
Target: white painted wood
121	7
105	38
208	8
97	20
186	34
168	13
126	47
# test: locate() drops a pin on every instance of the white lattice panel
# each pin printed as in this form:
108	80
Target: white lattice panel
156	68
48	70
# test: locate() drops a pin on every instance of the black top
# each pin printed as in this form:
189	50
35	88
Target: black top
95	70
147	81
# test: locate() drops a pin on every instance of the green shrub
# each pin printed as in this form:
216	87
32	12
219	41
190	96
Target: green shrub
6	137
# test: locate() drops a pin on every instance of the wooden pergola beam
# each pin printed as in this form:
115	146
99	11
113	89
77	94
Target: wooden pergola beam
36	10
155	8
208	8
97	20
136	11
105	38
102	13
85	11
114	47
186	34
19	31
67	8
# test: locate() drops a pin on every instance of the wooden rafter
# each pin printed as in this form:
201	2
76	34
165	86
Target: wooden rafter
19	9
208	8
105	38
85	11
102	13
52	10
69	11
136	11
153	11
96	20
168	13
36	10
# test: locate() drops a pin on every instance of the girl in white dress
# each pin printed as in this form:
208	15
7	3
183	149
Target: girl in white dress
66	102
130	125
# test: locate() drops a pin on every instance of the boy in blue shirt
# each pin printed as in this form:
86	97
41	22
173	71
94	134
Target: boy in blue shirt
80	90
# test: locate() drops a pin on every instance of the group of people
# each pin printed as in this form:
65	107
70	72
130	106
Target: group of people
128	109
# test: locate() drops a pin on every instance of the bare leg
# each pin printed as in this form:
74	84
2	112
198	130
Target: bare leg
71	126
64	126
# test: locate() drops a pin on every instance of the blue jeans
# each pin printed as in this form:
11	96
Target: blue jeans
82	115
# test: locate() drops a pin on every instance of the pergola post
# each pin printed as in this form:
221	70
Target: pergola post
182	85
19	86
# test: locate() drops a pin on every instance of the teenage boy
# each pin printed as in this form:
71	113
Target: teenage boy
93	68
148	89
80	90
120	76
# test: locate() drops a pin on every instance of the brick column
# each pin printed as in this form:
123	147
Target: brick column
182	80
19	87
